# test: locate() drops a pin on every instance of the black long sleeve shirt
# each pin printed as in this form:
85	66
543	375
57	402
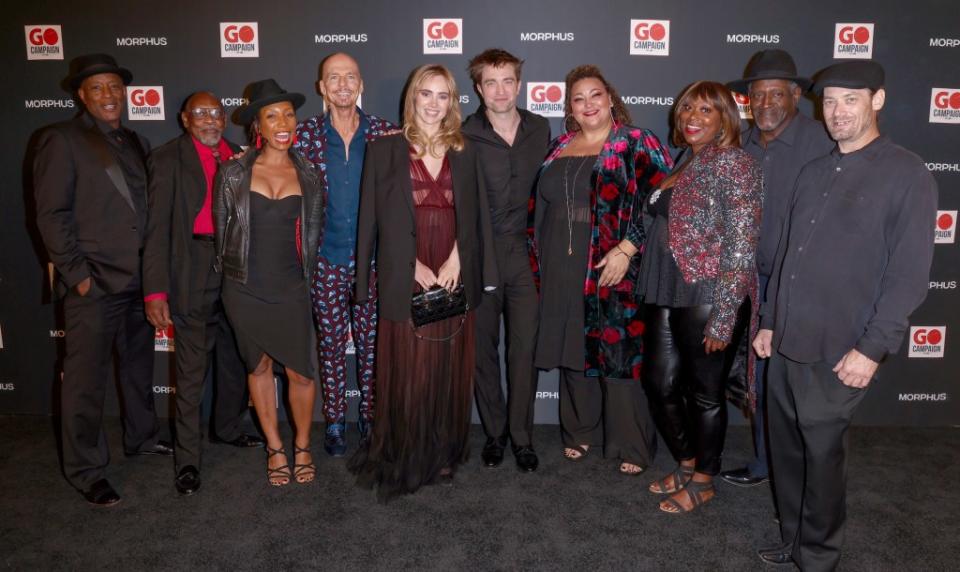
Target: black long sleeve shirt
509	171
855	261
781	160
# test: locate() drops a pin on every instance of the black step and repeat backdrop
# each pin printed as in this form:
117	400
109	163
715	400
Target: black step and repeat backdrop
648	49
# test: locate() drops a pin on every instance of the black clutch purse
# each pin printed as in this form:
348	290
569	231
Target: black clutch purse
437	304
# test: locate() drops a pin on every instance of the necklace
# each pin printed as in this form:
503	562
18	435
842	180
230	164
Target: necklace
569	191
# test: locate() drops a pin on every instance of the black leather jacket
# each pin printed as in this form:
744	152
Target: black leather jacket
231	215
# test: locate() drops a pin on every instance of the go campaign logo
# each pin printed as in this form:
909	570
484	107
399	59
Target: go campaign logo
239	40
442	36
545	98
163	339
853	41
743	105
946	229
650	37
944	105
44	42
927	341
145	102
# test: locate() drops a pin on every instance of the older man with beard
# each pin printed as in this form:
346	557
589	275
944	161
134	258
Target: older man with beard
782	140
335	142
182	288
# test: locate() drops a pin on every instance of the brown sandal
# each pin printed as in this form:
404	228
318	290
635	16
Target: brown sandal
681	476
694	491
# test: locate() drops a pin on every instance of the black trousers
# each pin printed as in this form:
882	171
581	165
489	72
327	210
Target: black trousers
686	385
202	334
612	413
516	300
808	413
96	325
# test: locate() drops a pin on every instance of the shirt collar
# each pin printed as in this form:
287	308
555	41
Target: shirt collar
488	127
787	136
205	151
103	126
869	152
362	127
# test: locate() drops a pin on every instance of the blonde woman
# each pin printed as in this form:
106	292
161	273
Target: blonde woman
424	218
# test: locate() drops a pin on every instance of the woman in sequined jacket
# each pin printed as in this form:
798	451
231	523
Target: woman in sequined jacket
698	270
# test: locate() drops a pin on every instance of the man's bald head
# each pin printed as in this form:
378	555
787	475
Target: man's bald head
340	82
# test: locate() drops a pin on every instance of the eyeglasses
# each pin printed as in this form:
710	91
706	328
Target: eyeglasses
204	112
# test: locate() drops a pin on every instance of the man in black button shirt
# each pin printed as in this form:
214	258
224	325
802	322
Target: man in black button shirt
89	182
512	144
853	265
782	140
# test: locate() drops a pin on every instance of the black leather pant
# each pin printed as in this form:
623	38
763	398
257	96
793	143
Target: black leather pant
686	386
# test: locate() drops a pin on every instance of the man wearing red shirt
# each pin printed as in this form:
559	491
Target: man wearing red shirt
181	287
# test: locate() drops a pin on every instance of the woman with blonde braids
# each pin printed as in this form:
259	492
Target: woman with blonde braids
424	218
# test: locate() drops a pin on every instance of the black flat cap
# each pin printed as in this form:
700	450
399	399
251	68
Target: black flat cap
263	93
863	74
82	67
769	64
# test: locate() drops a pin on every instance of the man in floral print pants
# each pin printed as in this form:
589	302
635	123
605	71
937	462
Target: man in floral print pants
335	142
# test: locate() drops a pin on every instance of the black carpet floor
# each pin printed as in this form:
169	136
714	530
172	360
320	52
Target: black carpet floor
904	509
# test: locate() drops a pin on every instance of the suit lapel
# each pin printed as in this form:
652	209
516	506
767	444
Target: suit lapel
401	158
98	147
194	171
457	169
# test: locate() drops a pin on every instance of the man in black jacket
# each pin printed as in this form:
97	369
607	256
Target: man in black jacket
90	186
512	144
181	287
782	140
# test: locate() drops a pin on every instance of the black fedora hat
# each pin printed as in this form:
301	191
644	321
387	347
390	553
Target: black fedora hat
262	93
769	64
82	67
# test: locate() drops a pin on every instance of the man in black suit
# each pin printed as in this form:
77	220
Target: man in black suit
182	288
90	186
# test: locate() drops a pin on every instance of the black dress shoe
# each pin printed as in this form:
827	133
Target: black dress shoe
492	454
188	480
243	441
159	448
742	478
526	457
101	494
778	558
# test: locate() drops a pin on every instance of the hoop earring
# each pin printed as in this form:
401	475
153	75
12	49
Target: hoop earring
566	128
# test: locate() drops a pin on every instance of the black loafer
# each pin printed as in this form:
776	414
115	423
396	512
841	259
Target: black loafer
778	555
244	441
526	457
188	480
161	448
492	454
101	494
742	478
